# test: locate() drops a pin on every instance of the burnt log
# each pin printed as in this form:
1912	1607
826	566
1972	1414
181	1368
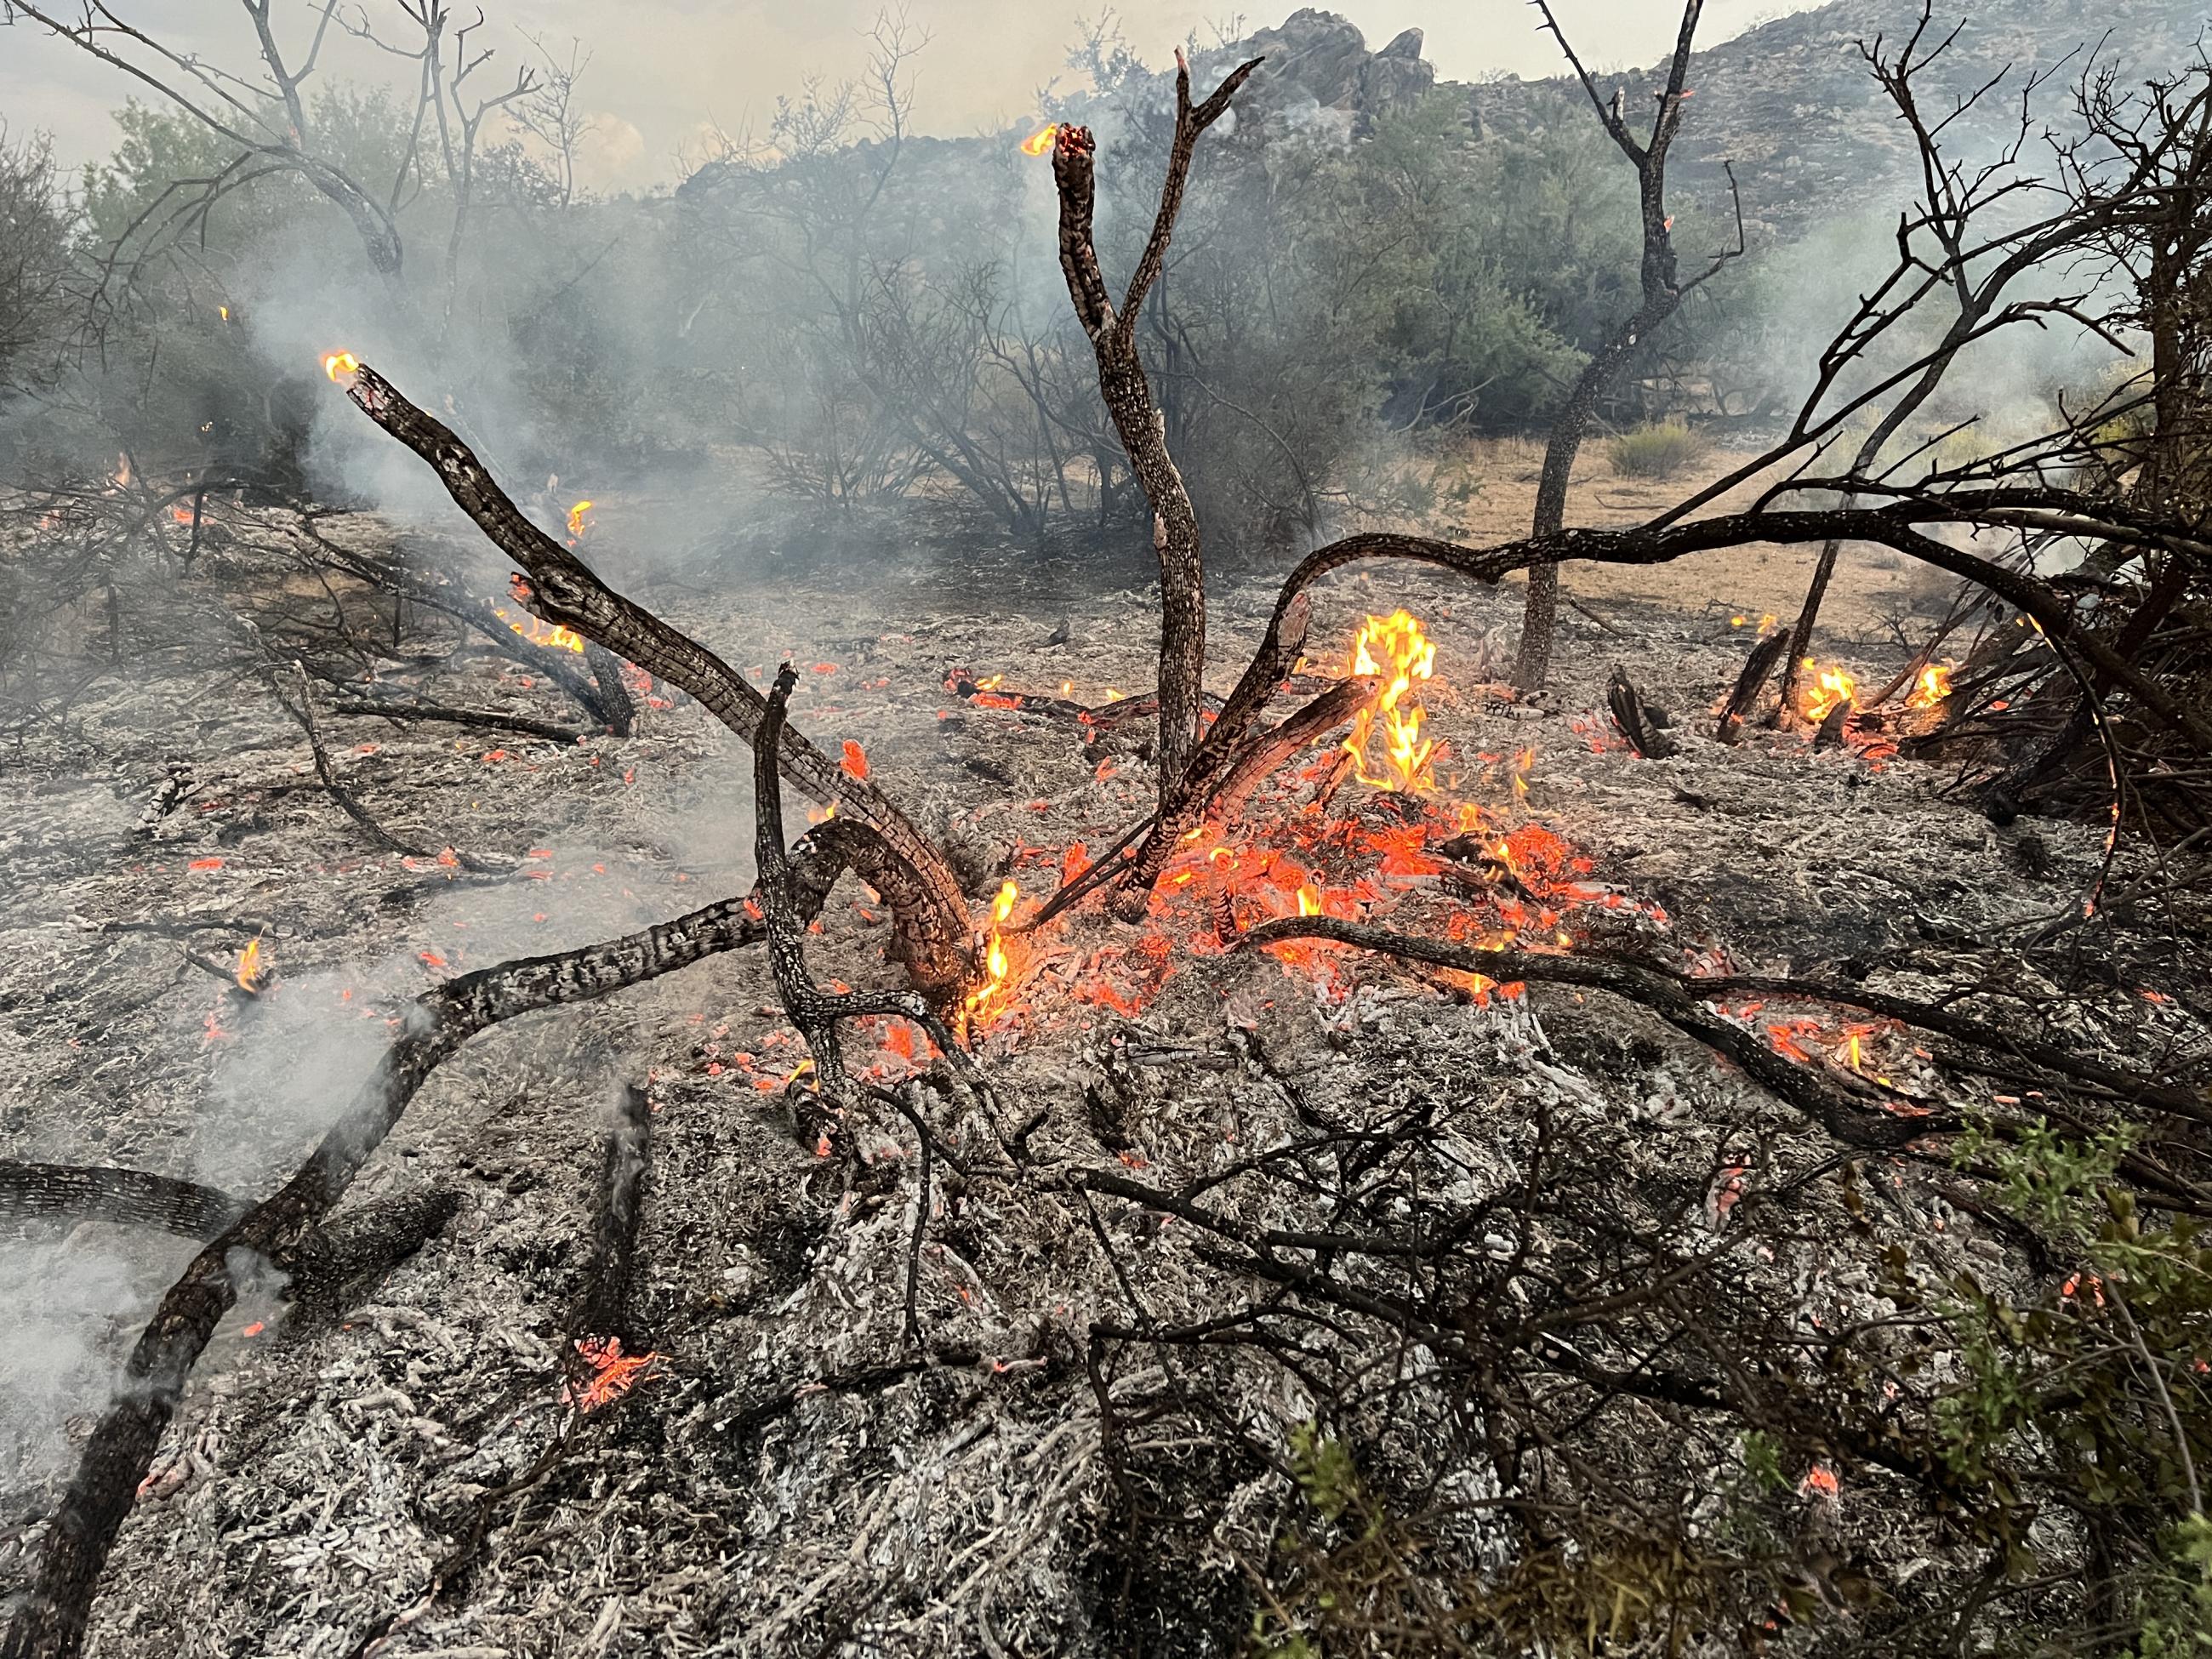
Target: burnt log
1758	668
603	1310
1643	727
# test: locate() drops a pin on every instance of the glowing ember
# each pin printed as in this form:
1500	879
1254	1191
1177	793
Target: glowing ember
994	956
614	1373
551	635
1826	687
1394	646
1933	687
252	968
856	762
1039	141
341	365
578	524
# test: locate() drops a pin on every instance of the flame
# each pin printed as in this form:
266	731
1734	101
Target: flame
223	312
252	971
1309	900
994	955
1399	646
1829	687
614	1373
551	635
1765	623
578	524
1933	686
1040	141
341	363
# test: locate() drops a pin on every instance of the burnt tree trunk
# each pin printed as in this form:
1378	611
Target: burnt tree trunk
1662	294
1139	423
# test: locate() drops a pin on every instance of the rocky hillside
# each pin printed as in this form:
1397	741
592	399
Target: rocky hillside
1791	102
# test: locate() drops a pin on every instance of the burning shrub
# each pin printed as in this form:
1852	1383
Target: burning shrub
1659	450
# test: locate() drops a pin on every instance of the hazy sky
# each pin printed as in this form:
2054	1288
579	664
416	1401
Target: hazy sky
660	69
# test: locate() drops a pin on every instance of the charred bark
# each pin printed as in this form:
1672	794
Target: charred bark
1641	725
68	1193
1758	668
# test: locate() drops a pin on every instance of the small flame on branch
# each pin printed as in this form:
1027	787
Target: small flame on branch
1827	687
252	971
1040	141
578	524
551	635
1396	646
994	956
341	366
1933	686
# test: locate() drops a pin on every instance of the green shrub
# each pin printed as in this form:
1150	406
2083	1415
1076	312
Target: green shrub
1657	451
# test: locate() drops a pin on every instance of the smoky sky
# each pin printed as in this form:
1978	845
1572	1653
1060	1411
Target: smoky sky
663	71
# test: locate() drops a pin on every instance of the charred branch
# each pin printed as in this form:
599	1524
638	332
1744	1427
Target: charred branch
559	588
66	1194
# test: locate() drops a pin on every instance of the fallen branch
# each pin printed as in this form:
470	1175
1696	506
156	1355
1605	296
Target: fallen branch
70	1193
49	1621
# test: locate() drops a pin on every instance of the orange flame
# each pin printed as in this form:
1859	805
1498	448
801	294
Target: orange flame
341	365
578	524
1396	646
1040	141
1828	687
854	764
551	635
995	960
1933	686
252	971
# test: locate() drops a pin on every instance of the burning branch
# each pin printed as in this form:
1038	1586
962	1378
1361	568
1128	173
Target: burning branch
561	589
1128	399
815	1011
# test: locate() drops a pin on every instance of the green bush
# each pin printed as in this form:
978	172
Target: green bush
1657	451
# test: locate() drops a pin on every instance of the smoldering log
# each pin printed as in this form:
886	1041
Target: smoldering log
1758	668
603	1310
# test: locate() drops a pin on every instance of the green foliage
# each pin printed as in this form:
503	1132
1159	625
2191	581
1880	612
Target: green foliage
1659	450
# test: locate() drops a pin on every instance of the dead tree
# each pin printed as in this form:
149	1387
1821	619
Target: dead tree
1663	291
1129	398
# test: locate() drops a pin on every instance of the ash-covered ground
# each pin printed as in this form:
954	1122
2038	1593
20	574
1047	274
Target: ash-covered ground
794	1475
